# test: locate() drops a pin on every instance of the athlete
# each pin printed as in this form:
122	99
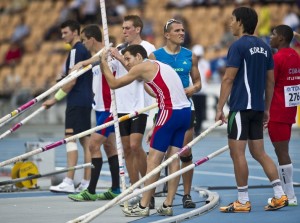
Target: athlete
131	98
185	64
92	39
284	104
172	121
249	80
78	111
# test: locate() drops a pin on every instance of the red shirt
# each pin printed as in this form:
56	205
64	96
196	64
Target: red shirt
12	55
286	73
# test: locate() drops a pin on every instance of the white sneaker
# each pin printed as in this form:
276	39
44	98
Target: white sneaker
132	201
165	211
63	187
81	187
136	211
293	201
135	200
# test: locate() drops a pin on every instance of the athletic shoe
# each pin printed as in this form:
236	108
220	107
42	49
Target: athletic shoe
187	202
277	203
81	187
152	203
108	195
236	207
293	201
132	201
84	195
63	187
168	211
136	211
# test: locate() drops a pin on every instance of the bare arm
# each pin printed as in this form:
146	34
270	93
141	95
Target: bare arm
66	89
196	79
152	56
87	62
149	91
69	86
113	82
116	54
297	36
225	91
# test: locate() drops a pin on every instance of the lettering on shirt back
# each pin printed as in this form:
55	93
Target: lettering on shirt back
294	71
261	50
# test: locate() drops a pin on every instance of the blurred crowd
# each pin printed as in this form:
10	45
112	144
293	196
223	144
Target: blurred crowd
88	11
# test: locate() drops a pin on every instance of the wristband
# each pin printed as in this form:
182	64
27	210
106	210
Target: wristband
60	94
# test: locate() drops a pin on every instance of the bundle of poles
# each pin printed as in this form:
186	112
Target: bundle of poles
126	193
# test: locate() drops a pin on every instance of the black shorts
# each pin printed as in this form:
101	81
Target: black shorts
136	124
244	125
78	119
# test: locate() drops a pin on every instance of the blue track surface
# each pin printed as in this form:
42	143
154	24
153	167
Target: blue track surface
216	175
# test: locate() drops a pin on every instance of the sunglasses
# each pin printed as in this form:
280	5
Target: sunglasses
169	22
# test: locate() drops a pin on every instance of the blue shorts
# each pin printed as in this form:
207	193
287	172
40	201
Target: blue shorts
102	118
170	127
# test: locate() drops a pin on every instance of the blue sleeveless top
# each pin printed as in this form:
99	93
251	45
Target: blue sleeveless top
180	62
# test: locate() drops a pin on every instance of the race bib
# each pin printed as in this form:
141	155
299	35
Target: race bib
292	95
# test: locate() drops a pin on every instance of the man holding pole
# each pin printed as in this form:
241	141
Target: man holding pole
78	111
92	39
131	98
172	121
185	64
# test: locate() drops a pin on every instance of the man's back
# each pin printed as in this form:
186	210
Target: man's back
253	58
81	94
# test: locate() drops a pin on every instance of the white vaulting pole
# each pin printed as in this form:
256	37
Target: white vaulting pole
175	174
14	181
18	125
73	75
32	102
74	137
114	105
93	214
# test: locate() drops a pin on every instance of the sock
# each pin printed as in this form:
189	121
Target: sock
84	182
286	176
141	206
278	191
114	170
165	206
116	190
95	173
243	195
68	180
